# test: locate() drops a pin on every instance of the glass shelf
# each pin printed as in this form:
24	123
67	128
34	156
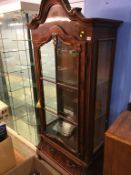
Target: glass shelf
15	50
20	112
16	61
17	98
62	116
63	131
62	100
21	97
18	79
53	81
15	68
14	81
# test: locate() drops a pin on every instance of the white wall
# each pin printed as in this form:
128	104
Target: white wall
121	87
32	1
9	5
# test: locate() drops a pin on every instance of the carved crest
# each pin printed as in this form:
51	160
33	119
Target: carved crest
73	14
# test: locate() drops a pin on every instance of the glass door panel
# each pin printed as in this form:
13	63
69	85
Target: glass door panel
60	65
68	103
67	64
61	100
48	61
50	96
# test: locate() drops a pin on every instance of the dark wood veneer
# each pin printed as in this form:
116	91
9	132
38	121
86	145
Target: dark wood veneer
68	28
117	158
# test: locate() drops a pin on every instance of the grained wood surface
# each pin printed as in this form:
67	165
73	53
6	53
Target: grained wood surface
95	39
24	151
19	158
117	159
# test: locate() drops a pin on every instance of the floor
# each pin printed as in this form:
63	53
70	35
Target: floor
24	150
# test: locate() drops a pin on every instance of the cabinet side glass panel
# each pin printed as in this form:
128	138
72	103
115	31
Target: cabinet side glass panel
102	89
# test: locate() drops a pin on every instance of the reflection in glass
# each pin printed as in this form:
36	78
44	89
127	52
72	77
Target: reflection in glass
67	64
68	103
48	60
50	95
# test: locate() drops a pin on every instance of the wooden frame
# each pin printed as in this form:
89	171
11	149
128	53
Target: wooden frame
56	19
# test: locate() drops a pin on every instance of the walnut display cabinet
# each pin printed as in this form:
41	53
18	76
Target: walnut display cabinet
73	68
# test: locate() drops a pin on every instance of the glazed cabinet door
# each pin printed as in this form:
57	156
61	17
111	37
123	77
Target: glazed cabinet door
60	80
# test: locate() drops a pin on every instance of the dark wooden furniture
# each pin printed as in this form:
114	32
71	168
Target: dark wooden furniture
117	158
73	62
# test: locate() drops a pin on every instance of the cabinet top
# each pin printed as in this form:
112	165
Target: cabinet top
121	128
60	10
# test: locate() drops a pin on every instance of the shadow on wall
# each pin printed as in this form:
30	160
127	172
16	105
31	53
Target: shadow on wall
121	86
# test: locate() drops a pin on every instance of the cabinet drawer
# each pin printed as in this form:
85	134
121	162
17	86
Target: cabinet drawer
63	160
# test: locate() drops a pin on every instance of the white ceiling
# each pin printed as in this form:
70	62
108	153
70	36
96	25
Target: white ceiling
29	1
32	1
13	5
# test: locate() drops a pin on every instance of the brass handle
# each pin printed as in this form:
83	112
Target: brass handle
38	104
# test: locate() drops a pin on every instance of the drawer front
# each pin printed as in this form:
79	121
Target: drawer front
68	164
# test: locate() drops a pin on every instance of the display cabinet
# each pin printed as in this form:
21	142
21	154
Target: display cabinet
73	68
17	84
